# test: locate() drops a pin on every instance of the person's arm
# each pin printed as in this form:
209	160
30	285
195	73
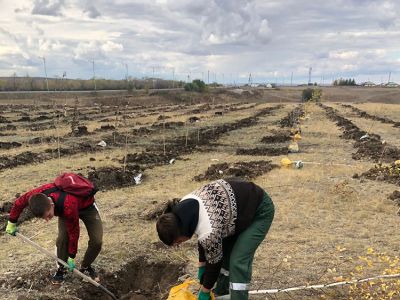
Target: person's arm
23	201
71	216
212	246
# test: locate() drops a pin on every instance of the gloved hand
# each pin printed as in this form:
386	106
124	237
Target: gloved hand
204	296
11	228
71	264
200	272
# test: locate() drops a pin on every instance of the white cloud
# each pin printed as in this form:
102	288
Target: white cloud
110	46
341	37
344	54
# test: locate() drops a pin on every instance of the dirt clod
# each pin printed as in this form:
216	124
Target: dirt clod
246	170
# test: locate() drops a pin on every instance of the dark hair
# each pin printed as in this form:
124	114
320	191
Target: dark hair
39	204
168	229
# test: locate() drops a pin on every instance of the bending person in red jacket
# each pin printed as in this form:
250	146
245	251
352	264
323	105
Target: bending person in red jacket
46	202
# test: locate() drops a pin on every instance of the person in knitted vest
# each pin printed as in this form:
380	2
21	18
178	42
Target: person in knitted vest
230	218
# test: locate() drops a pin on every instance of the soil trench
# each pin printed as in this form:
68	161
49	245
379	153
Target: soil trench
139	279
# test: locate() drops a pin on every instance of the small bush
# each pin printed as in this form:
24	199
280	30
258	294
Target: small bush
311	95
196	85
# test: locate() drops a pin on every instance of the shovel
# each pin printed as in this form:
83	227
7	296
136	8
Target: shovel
75	271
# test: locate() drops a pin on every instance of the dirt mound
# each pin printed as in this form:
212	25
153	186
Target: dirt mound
46	139
395	196
23	119
4	120
389	173
248	170
366	115
19	159
9	145
277	137
148	158
168	125
205	136
140	279
368	145
107	178
8	127
374	149
292	118
106	128
157	209
80	131
271	151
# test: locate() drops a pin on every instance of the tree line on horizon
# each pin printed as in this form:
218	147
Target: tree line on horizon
344	81
28	83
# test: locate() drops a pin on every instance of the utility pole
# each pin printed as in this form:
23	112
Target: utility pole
127	72
173	77
291	79
94	76
154	83
45	71
309	75
208	77
390	73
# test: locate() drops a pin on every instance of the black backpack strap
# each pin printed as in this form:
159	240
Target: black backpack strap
59	204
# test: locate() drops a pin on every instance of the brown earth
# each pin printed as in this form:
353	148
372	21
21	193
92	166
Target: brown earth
246	170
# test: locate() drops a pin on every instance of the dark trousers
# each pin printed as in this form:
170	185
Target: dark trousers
91	218
239	253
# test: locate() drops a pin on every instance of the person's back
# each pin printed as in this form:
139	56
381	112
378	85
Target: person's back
231	218
49	200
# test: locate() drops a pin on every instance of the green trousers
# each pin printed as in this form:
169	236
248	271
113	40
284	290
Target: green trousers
91	218
239	253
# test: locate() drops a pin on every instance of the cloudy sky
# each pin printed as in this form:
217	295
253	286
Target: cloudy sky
271	39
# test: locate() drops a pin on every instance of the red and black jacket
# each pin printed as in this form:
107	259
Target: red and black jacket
69	210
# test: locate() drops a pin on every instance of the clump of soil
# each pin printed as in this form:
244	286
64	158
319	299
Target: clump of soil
19	159
148	158
157	209
4	120
106	128
168	125
366	115
140	279
279	136
80	130
46	139
23	119
248	170
374	149
390	173
107	178
292	118
9	145
368	145
8	127
395	196
271	151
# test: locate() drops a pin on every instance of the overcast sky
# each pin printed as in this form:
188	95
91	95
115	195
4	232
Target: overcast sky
229	38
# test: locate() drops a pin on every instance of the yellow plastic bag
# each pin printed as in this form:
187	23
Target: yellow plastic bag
286	162
293	147
297	137
184	291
